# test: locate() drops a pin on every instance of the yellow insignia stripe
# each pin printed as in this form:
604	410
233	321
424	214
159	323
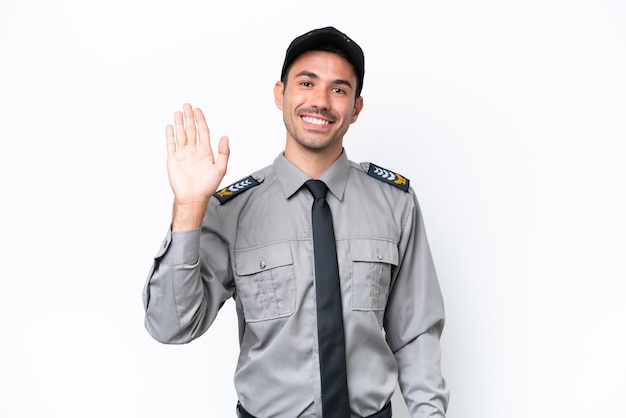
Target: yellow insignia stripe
400	179
224	192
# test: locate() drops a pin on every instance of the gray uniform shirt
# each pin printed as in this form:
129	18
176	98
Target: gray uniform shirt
257	248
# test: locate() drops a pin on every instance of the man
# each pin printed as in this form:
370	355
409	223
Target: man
259	242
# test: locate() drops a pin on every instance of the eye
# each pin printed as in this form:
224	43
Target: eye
338	90
306	84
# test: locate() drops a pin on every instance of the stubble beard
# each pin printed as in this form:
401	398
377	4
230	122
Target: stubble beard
312	140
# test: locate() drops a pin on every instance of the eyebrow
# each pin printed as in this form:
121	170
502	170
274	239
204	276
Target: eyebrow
316	77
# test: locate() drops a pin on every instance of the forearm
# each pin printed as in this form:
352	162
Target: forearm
420	378
180	304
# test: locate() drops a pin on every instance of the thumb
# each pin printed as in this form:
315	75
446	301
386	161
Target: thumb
223	152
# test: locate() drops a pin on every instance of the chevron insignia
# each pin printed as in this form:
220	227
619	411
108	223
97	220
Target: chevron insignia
389	176
235	189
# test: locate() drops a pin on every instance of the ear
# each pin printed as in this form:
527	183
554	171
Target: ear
358	106
279	88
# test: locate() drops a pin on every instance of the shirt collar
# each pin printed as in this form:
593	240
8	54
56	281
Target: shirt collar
291	178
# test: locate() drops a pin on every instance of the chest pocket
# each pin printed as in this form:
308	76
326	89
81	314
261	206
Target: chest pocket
372	261
265	283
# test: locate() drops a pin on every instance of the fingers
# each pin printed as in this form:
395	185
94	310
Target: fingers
190	124
169	139
183	132
179	126
204	136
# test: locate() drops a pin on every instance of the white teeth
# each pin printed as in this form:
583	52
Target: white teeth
315	121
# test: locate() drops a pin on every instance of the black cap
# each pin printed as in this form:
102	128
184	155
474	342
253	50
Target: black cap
328	35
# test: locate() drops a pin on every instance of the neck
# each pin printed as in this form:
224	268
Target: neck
313	162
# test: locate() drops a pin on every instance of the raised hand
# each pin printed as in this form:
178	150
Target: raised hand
194	172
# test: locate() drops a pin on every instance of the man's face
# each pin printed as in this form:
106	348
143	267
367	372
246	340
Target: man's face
318	101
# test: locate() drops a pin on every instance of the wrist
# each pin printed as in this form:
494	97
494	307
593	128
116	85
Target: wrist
187	216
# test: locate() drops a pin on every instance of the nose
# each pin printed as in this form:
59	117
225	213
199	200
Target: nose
320	98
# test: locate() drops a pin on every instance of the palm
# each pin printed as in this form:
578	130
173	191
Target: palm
194	172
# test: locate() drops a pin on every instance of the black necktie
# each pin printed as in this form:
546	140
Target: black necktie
332	352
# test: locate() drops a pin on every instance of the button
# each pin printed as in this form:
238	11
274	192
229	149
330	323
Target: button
262	264
379	256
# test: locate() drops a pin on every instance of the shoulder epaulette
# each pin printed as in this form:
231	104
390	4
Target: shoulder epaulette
388	176
236	189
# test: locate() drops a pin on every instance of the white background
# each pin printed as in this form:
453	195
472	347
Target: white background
508	117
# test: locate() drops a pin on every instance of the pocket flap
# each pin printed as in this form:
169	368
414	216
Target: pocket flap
374	251
251	261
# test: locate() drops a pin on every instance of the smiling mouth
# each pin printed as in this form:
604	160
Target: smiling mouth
315	121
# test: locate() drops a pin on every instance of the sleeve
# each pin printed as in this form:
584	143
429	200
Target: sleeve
414	321
188	283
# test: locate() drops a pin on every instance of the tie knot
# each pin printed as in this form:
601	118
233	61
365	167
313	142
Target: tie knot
317	188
